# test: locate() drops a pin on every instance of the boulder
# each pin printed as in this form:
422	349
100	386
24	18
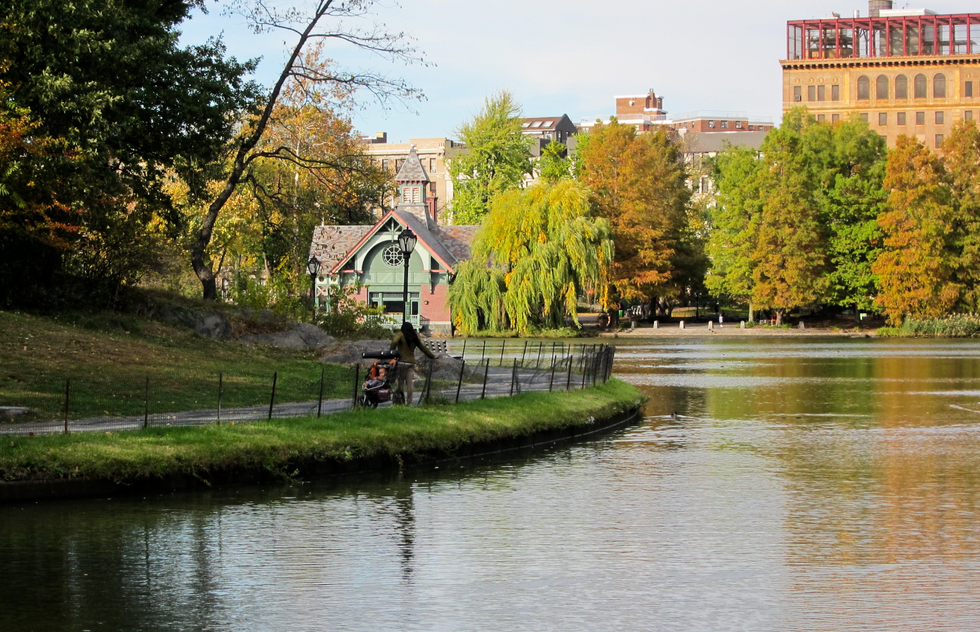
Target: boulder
207	324
303	336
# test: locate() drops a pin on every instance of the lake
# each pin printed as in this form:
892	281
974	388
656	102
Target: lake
773	484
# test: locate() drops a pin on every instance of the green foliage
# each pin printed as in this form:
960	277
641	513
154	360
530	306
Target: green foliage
347	317
796	223
952	326
496	160
109	87
537	251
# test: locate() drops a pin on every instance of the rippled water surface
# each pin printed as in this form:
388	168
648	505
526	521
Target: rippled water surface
774	485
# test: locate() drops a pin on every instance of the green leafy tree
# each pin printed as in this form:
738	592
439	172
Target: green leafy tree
109	83
916	267
321	21
538	250
735	222
497	159
638	184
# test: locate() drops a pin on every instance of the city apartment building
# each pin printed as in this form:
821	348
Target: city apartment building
433	154
646	112
904	71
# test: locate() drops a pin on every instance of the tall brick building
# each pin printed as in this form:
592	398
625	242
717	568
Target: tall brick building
905	71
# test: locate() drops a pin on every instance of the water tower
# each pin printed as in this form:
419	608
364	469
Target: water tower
875	7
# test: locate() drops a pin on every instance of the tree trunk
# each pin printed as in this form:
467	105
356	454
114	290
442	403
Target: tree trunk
751	313
779	317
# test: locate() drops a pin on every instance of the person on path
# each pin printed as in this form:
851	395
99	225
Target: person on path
406	342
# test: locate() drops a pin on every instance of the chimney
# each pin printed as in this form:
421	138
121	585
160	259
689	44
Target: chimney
875	7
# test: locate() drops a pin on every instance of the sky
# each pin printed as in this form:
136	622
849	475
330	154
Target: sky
562	56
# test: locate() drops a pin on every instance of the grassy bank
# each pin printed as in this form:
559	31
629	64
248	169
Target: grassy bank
285	448
110	359
955	326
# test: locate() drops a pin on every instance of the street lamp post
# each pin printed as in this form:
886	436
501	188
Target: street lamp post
313	268
406	241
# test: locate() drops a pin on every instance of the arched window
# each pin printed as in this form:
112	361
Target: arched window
864	88
939	86
901	87
881	87
920	86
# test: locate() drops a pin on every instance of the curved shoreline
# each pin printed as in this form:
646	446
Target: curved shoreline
612	409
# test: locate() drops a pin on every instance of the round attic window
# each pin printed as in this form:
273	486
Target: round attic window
392	255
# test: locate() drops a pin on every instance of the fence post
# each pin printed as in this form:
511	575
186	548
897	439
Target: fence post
568	383
459	384
275	378
523	352
537	362
462	356
486	371
551	383
357	378
146	404
483	351
513	377
220	376
319	400
585	371
427	387
67	400
503	345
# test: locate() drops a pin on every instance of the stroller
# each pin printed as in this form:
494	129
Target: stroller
379	388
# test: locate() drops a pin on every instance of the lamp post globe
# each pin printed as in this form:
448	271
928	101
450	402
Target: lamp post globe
313	268
406	242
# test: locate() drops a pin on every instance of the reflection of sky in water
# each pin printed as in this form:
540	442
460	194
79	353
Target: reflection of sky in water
761	348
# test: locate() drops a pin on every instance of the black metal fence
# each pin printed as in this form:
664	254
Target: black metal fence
482	368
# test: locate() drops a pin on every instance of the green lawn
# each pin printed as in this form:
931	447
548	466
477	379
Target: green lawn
111	361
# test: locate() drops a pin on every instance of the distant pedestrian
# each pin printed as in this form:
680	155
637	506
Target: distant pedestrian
721	319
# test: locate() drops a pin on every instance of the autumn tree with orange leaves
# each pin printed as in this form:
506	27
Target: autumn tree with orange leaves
916	270
638	183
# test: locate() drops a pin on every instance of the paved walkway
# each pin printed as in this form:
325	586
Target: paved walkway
498	385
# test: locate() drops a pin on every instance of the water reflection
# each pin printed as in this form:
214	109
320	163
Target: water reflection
774	485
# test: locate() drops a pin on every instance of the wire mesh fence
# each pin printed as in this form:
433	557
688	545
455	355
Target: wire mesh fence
473	370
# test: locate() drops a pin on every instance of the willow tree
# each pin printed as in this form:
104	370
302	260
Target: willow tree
538	250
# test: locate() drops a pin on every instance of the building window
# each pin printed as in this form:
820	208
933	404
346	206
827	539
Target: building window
901	87
711	124
835	93
882	119
811	93
821	118
392	256
939	141
864	117
738	124
939	86
724	125
386	165
835	118
432	165
940	118
881	87
920	118
864	88
968	115
920	86
821	93
797	93
901	118
968	89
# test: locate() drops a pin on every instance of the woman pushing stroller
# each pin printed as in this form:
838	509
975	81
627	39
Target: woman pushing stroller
406	342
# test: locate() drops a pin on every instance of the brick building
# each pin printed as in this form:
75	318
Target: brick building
905	71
